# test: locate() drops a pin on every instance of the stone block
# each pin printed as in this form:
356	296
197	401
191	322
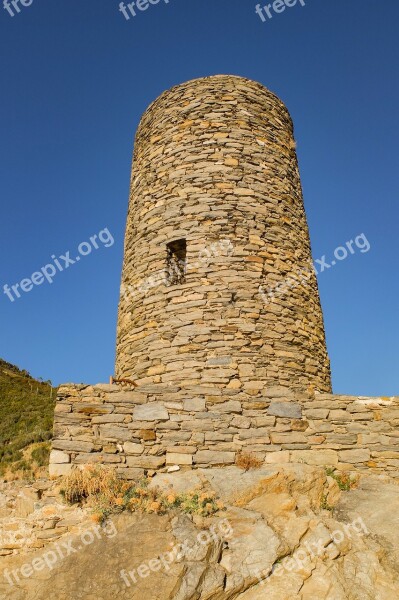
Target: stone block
198	425
167	426
179	436
289	410
354	456
264	421
174	405
323	427
128	398
342	439
204	390
315	457
146	462
93	408
59	470
299	425
288	438
277	391
62	407
85	458
153	411
340	415
194	405
113	432
254	432
208	457
108	419
241	422
316	413
182	449
218	437
73	445
131	448
174	458
219	361
255	386
231	406
107	387
97	458
130	474
277	457
57	457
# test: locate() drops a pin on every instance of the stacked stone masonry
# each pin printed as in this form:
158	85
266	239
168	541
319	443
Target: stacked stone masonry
215	168
136	432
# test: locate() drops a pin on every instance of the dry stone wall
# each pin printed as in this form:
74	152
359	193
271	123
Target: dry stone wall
136	432
215	179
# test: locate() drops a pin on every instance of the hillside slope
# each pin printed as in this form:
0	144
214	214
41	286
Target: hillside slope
26	416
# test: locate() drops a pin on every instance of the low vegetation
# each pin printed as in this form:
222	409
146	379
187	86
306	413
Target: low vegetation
247	461
100	489
26	421
324	503
344	480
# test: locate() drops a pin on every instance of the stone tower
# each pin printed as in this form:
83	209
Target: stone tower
218	295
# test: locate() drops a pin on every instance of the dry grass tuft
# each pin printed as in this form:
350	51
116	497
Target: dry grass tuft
90	481
247	461
100	489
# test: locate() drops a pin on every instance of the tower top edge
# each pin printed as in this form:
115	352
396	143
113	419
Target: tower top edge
220	79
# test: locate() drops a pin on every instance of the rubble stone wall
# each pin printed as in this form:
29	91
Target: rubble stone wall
136	432
215	165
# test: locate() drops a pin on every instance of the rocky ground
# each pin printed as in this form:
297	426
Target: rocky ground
287	533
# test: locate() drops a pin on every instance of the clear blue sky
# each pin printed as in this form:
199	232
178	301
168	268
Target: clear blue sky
75	78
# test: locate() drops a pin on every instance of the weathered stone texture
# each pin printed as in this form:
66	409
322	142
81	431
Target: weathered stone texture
272	541
300	429
215	164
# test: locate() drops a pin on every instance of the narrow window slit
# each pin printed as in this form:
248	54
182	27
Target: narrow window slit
177	261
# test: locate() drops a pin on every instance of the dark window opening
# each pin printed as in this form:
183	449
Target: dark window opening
176	261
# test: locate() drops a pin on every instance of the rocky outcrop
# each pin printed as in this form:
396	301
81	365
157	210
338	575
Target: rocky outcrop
274	540
34	515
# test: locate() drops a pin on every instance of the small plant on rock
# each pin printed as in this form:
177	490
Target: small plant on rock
344	480
247	461
324	503
100	489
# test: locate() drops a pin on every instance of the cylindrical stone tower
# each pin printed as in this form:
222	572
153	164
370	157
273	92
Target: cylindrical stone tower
218	293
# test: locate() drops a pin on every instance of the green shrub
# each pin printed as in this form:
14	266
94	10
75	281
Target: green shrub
26	414
41	454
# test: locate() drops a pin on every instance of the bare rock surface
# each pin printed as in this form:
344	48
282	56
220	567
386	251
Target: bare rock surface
273	541
376	500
